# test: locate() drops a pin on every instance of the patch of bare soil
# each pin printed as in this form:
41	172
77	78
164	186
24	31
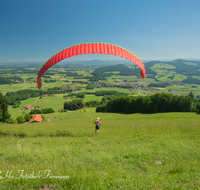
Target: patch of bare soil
49	187
51	119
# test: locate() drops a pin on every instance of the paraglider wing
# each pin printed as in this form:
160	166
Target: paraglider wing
90	48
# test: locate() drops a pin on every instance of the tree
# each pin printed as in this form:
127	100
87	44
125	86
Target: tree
198	107
156	103
192	96
16	104
4	115
74	104
36	111
27	117
20	119
80	95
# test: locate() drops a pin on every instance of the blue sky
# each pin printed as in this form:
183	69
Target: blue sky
34	30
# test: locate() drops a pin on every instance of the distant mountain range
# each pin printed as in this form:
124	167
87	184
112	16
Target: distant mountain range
95	63
155	69
181	66
190	59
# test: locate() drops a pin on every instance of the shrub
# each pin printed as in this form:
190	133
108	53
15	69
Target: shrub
198	108
35	111
93	103
20	119
16	104
62	110
27	117
47	110
43	118
42	111
74	105
11	121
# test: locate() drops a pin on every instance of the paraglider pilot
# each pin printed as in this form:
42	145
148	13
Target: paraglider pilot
97	122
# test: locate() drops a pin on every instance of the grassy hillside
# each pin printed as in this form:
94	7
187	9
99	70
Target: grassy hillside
135	151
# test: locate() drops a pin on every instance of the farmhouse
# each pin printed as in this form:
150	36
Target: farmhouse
29	107
37	118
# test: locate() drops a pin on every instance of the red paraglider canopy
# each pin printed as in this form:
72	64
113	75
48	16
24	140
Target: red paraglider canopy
90	48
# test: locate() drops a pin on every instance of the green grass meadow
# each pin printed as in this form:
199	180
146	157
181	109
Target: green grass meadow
136	151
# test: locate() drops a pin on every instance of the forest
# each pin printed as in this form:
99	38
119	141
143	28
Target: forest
157	103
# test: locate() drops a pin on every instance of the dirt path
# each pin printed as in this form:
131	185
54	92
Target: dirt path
35	101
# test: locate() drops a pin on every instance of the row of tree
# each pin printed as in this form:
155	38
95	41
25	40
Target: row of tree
104	92
42	111
77	95
16	97
149	104
79	104
9	80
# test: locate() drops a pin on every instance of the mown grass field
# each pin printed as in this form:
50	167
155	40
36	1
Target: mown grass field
137	151
16	87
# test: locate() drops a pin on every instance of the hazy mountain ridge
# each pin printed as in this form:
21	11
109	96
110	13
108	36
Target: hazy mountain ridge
185	67
182	66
